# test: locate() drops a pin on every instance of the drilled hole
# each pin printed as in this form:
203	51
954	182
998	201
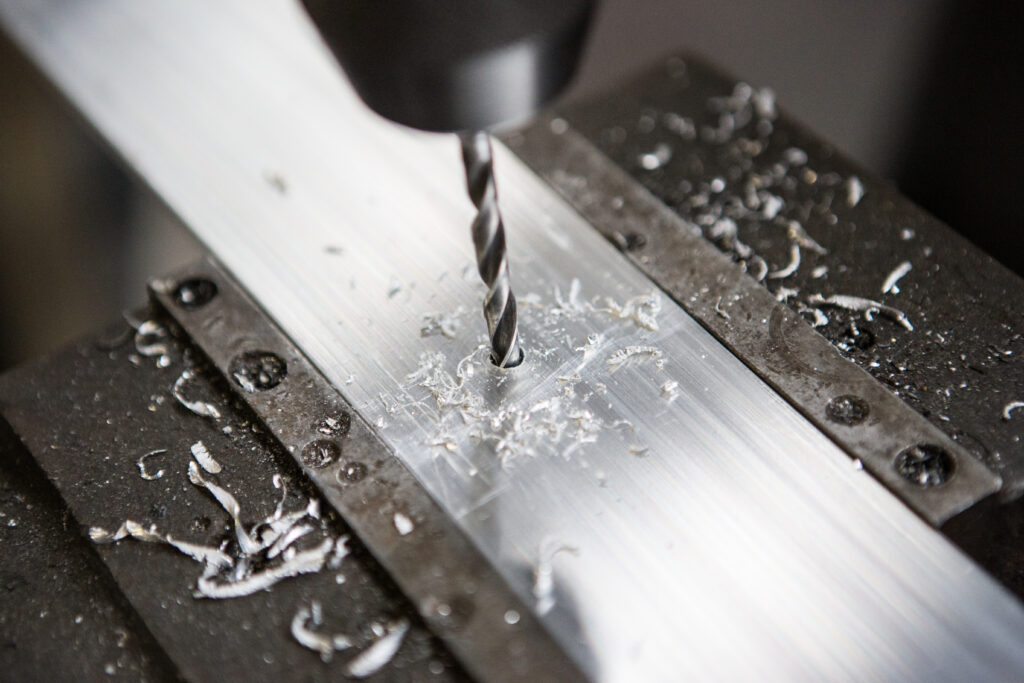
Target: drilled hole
513	364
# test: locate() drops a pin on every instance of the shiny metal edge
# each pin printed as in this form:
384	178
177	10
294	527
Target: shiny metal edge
738	523
454	588
778	345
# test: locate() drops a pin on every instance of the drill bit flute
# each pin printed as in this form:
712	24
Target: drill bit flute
500	61
491	254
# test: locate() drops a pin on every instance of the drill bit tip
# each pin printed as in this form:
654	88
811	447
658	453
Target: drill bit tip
491	253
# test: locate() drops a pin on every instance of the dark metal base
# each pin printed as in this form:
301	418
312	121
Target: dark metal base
86	415
960	365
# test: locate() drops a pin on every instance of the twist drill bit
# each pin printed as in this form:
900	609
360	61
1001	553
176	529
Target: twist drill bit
491	256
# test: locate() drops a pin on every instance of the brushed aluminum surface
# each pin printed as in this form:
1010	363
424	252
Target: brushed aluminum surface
689	529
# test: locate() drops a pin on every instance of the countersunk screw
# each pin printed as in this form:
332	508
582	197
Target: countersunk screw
351	472
195	292
925	465
258	370
320	453
847	410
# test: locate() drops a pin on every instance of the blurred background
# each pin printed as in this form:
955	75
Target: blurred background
924	93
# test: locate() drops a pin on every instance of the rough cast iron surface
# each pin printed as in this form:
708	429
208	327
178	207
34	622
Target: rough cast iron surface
62	617
87	415
961	363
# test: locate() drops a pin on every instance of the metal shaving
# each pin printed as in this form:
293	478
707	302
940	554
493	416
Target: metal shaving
203	457
544	573
370	660
866	306
898	272
670	390
204	554
273	528
339	553
762	267
547	425
657	158
230	505
1010	407
719	311
455	391
770	205
264	555
725	231
571	305
323	643
201	408
286	539
622	357
784	293
403	524
304	562
854	191
820	319
439	323
146	474
794	263
149	336
98	534
279	483
642	310
796	232
211	557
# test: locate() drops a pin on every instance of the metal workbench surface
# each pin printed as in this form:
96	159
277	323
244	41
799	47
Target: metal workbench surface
74	610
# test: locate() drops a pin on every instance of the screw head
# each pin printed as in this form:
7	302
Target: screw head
195	292
258	370
925	465
847	410
320	453
352	472
333	425
630	241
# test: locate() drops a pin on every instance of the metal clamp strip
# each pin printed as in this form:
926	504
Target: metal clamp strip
458	593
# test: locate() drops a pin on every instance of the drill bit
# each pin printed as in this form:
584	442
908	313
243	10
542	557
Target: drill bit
491	254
